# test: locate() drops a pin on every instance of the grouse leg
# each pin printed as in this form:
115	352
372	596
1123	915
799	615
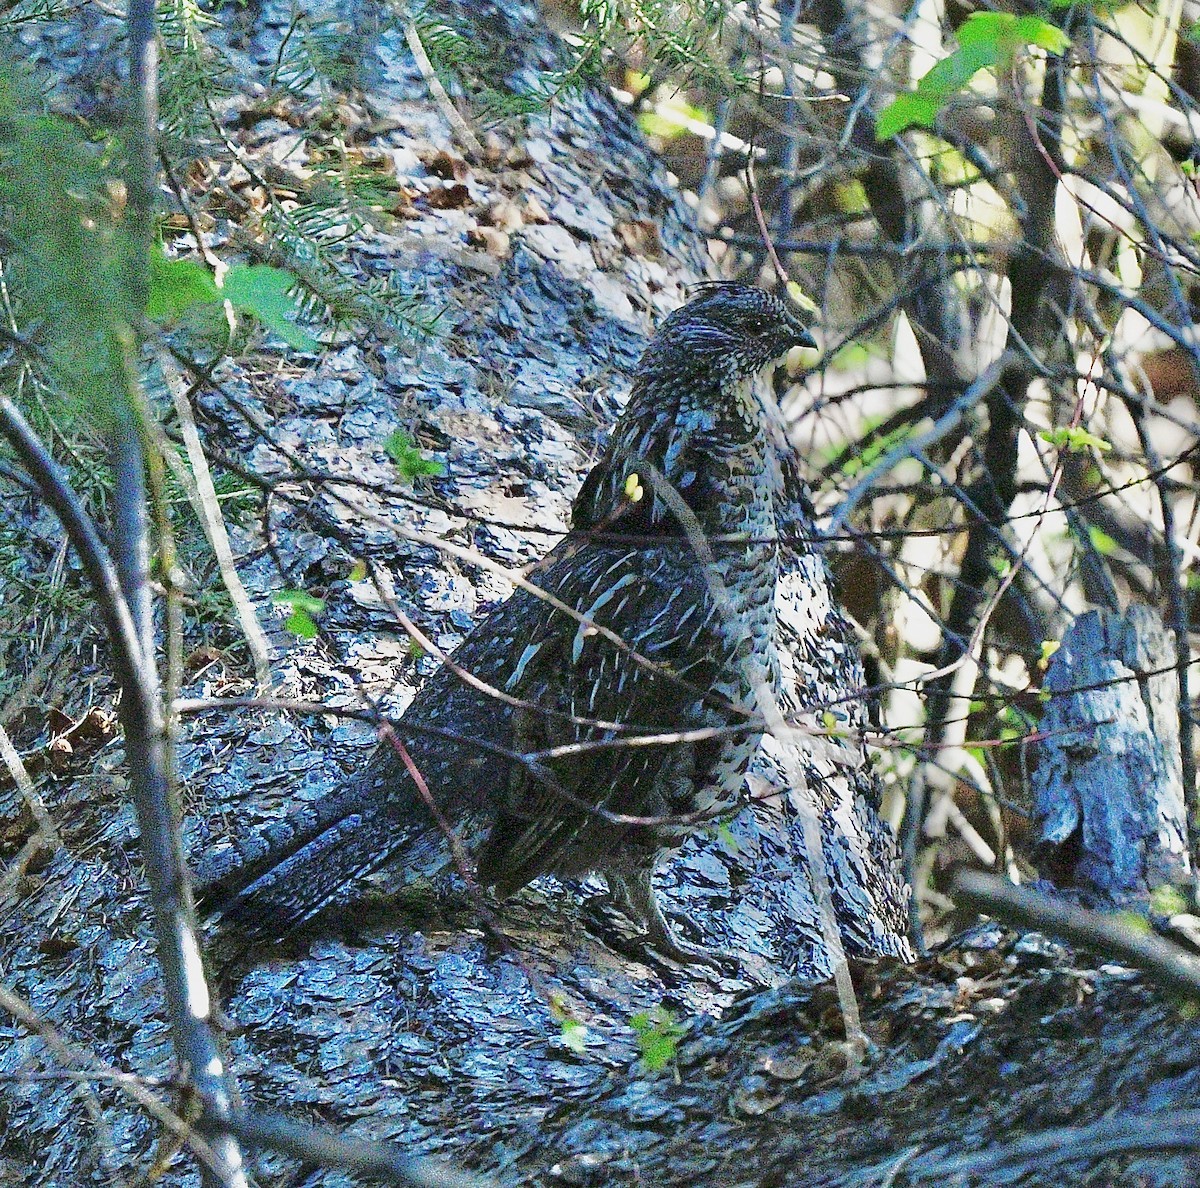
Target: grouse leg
634	895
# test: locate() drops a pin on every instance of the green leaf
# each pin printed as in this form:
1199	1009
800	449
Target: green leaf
177	285
831	722
1004	33
952	74
876	450
1074	439
985	28
920	108
265	292
909	110
849	357
408	458
672	118
726	839
986	40
658	1035
1101	541
1166	900
801	298
1032	30
575	1036
257	289
304	608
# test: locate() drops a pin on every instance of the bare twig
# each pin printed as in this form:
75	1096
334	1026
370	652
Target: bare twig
754	670
203	497
1170	966
461	129
76	1059
188	996
35	804
979	390
1163	1130
353	1154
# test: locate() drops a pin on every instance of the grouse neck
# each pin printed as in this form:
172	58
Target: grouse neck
710	444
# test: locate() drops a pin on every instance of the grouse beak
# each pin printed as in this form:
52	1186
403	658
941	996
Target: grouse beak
800	334
800	341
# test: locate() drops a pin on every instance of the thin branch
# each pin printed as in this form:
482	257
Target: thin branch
188	997
1157	1132
140	174
461	129
872	251
203	497
1170	966
35	804
55	489
945	425
365	1156
72	1057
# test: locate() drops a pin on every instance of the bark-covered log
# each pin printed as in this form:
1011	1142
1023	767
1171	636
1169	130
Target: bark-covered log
415	1031
1108	793
412	1026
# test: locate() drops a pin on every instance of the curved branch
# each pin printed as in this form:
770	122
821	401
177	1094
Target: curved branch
189	1000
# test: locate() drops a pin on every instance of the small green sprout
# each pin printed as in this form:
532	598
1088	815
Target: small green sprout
658	1035
409	459
304	610
1073	439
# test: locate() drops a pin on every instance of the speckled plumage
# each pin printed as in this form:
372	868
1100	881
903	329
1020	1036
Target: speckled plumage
701	415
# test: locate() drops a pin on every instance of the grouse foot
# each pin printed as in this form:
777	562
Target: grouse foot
634	896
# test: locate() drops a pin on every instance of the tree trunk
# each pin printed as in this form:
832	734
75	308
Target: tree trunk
415	1023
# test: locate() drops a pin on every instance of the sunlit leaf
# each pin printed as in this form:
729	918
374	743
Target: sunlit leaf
1101	541
266	293
409	459
304	611
1074	438
1032	30
986	40
177	285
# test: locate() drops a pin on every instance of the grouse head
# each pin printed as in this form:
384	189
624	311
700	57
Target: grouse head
728	333
698	414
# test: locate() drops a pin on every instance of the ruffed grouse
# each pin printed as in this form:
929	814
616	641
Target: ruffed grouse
656	648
